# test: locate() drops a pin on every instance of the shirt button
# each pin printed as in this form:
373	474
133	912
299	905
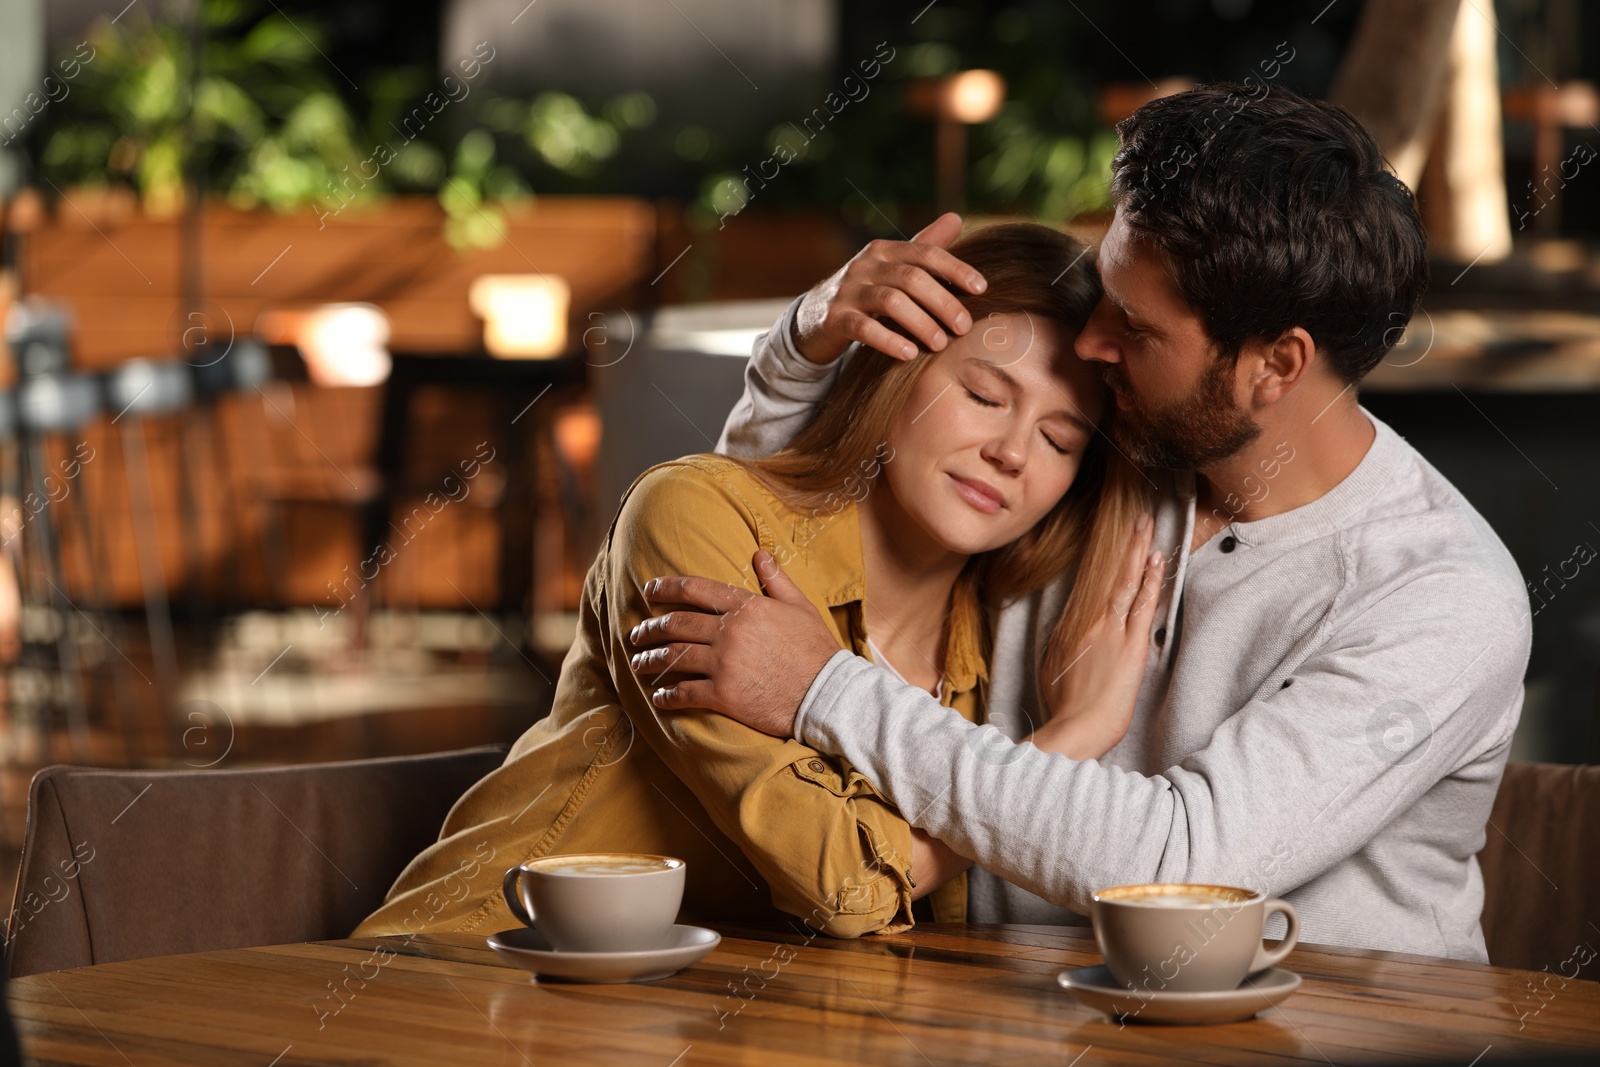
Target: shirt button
1229	543
817	765
1161	636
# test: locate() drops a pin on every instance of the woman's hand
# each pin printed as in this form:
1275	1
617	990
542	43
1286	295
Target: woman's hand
1092	690
933	863
893	280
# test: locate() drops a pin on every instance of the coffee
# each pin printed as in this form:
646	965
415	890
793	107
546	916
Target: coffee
603	864
1177	896
1177	902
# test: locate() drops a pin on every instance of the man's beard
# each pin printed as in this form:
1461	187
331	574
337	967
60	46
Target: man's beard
1204	427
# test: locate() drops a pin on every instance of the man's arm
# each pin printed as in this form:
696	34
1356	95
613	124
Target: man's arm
1291	784
1288	786
781	390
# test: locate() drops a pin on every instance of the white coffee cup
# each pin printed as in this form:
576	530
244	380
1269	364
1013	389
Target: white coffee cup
598	901
1187	938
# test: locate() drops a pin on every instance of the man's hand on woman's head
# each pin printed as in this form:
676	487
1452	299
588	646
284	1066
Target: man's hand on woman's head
893	280
755	656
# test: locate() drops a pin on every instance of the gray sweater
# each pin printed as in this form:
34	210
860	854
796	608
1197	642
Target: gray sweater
1325	714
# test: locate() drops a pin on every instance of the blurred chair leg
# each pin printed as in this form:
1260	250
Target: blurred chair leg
152	574
18	665
193	534
66	644
109	626
274	538
230	505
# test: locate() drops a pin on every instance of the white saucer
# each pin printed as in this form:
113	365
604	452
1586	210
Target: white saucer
1095	987
526	947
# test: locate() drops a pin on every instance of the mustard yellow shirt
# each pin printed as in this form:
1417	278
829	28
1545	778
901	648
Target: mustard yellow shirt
768	828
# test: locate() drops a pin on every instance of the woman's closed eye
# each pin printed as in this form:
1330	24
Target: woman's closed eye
986	402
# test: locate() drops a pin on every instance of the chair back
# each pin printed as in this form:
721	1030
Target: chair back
121	864
1541	870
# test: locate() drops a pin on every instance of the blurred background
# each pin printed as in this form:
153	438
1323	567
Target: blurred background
335	330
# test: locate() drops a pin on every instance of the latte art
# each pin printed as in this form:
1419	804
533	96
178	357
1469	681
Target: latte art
606	868
1175	901
602	865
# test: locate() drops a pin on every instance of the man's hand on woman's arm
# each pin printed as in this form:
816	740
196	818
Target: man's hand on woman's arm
757	655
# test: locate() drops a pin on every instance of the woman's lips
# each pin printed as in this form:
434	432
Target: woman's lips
980	496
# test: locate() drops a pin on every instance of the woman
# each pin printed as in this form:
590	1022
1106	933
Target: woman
924	492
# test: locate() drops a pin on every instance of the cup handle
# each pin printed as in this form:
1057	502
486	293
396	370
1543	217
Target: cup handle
511	889
1264	958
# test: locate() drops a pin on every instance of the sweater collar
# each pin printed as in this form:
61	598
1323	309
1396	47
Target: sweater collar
1334	509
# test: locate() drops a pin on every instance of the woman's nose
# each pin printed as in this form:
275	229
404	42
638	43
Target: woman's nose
1008	452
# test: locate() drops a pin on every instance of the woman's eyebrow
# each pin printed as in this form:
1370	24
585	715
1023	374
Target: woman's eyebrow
1067	413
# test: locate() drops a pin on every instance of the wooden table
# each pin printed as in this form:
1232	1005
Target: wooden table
936	995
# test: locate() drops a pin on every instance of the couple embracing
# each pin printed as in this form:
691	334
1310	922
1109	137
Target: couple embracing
1022	572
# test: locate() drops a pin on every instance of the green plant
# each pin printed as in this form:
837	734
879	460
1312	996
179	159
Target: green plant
265	124
553	132
1058	175
475	191
262	119
273	124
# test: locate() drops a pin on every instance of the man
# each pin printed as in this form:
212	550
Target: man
1335	671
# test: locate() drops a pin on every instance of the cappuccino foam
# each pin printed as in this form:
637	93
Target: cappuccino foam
1176	901
602	865
1176	895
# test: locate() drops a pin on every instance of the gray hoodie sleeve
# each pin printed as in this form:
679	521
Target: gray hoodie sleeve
781	389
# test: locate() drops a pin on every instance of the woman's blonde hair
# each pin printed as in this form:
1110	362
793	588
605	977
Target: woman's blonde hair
1029	268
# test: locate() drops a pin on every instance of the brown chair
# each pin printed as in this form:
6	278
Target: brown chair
1541	870
119	865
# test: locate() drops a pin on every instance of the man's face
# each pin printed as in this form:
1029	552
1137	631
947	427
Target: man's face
1177	402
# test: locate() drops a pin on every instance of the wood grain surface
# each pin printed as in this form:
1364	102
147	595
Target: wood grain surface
935	995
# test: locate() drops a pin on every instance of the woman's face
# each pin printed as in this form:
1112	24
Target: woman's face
994	432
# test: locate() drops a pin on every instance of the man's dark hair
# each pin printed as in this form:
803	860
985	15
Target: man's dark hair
1275	211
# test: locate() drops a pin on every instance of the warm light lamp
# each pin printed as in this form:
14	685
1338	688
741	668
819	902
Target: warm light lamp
972	96
524	315
955	101
342	344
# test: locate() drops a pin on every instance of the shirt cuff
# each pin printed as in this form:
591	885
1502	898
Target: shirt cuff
812	725
797	367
